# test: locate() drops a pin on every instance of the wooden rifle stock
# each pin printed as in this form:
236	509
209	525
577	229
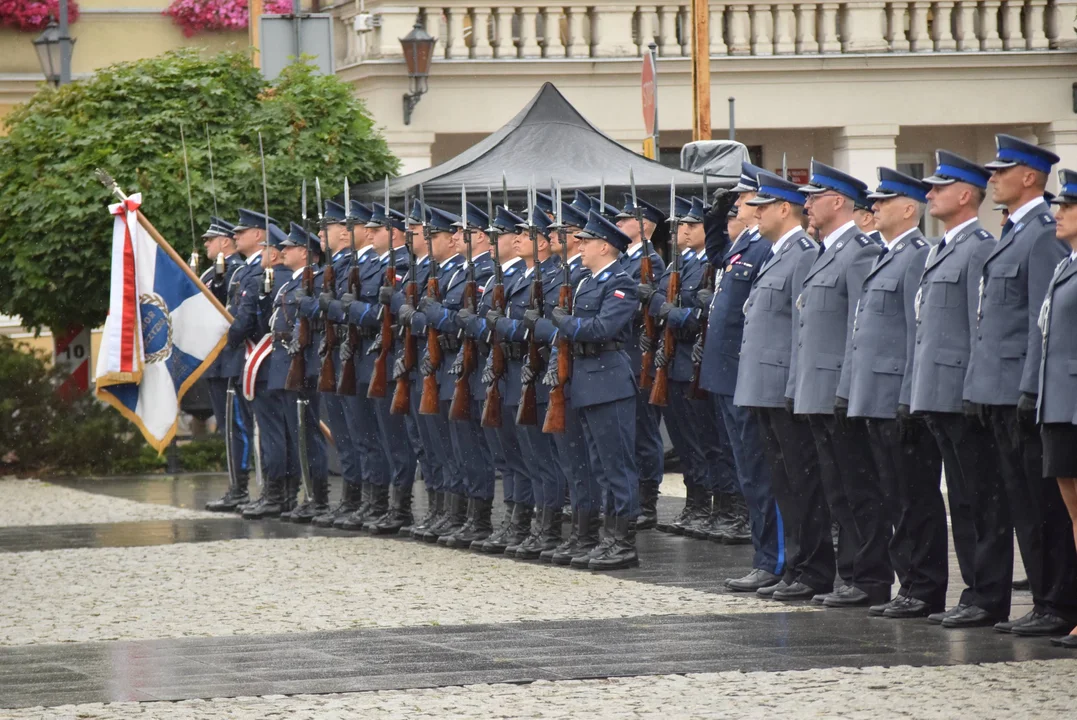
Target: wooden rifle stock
379	378
660	389
327	376
693	389
491	409
346	385
297	369
460	409
401	404
555	412
428	403
646	274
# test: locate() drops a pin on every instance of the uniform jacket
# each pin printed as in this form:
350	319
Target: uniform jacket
631	265
945	312
364	312
603	309
827	309
1006	354
725	319
244	289
684	321
285	319
422	272
884	333
770	322
1057	386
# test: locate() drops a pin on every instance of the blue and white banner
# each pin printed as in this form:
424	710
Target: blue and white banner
163	330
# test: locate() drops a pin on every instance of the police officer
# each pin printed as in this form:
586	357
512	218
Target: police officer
906	456
1057	384
763	383
945	311
1003	377
650	452
604	385
821	380
219	241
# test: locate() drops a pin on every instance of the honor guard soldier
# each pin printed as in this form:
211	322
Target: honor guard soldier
649	449
821	378
771	318
223	375
604	385
945	310
906	456
1057	391
1003	379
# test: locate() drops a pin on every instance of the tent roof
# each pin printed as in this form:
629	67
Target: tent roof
547	139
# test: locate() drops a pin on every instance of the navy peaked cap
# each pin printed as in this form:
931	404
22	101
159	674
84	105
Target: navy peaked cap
749	181
824	178
599	228
893	183
774	188
252	219
951	168
1011	151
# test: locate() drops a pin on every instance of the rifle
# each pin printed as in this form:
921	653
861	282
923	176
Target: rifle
660	389
346	384
402	394
460	409
327	376
707	283
646	276
428	403
527	413
555	412
379	378
491	409
297	369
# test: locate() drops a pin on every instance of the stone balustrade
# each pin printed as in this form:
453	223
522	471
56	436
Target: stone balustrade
610	29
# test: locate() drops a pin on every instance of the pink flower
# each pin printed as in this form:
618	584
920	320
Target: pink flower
33	15
196	16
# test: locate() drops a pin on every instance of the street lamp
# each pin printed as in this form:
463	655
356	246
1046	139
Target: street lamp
53	48
418	52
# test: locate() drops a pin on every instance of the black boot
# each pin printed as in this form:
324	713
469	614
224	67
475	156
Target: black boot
349	500
740	532
313	507
495	544
622	553
701	509
586	535
272	505
479	529
690	500
601	545
548	536
379	505
568	546
449	539
231	500
520	529
722	517
454	518
399	515
435	509
700	526
648	506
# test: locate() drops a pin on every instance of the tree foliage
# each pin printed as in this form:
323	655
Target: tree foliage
55	232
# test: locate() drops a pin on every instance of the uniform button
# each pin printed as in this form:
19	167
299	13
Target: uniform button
917	341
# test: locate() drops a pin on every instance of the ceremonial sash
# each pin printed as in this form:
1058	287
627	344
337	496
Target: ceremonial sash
256	353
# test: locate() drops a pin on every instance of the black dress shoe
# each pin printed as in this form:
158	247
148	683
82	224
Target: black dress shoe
971	617
1043	624
880	610
912	608
769	590
796	591
1020	584
848	596
938	617
1068	641
752	581
1006	626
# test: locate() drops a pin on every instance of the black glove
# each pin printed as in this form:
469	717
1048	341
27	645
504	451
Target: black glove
697	351
660	359
427	302
488	371
385	294
375	347
300	293
530	318
907	424
346	301
1026	412
463	315
645	292
646	343
665	310
399	370
724	200
841	411
323	301
552	378
426	367
704	296
559	315
492	316
790	404
527	374
404	314
457	366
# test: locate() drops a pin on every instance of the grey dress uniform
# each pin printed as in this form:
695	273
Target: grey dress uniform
1004	365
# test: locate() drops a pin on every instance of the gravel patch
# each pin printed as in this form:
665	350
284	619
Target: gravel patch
1001	690
245	587
33	502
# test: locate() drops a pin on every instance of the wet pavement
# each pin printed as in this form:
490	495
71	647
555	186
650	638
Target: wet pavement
355	660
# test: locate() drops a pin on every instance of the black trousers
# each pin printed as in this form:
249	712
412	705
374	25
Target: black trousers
911	472
1040	518
977	510
857	502
794	469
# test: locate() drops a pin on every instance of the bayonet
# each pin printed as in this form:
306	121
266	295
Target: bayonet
212	180
265	189
504	191
193	262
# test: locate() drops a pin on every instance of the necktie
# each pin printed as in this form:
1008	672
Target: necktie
822	249
1006	227
942	243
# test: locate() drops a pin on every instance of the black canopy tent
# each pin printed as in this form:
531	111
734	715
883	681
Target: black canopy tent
547	140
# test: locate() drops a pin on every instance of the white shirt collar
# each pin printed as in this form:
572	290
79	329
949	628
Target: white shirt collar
633	248
1073	255
509	263
951	234
297	273
832	237
527	272
604	269
573	258
420	258
891	243
784	239
447	260
256	257
476	257
384	255
363	251
686	251
1020	212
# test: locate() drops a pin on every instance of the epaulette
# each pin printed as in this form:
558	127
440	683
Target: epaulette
318	272
604	276
918	242
806	244
983	234
510	272
863	240
1047	218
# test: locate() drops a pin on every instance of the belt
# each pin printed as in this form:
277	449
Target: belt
514	350
587	349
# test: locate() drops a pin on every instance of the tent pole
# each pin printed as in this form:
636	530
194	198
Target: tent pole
701	71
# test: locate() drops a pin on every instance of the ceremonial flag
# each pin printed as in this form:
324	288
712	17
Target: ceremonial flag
164	328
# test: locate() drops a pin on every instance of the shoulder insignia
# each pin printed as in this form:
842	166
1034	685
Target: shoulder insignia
840	244
918	242
636	254
806	243
604	276
510	272
1019	228
980	233
861	239
1047	219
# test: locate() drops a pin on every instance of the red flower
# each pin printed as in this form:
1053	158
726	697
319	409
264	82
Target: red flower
33	15
196	16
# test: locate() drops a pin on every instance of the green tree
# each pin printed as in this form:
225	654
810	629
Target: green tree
54	231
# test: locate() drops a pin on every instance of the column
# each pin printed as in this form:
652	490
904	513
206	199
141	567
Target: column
785	23
1060	137
806	43
864	28
1010	30
895	27
529	47
412	147
717	28
1063	35
504	47
761	30
482	34
966	26
1037	29
395	24
667	31
860	149
579	46
942	35
989	37
454	43
918	36
739	31
648	25
612	30
829	42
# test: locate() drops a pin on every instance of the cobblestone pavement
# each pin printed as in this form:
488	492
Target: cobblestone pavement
33	502
1037	689
318	583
